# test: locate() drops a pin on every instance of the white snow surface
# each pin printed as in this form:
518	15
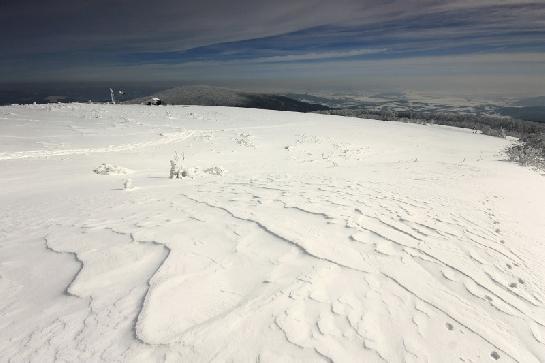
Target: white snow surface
329	239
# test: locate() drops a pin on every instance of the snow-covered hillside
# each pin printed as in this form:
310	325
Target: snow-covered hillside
296	238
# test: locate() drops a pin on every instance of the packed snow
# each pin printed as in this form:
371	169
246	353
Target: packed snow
291	238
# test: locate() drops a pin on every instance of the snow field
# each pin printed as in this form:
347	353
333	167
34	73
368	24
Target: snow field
323	239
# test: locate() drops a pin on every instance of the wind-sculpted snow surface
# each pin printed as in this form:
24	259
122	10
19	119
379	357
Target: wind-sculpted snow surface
330	239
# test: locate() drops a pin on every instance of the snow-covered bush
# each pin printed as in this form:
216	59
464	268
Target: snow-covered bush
176	168
529	151
526	154
215	170
109	169
178	171
490	131
173	169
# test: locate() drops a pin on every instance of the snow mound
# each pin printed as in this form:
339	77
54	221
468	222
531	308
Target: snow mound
190	172
109	169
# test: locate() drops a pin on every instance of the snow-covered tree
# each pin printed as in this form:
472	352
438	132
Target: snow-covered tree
176	167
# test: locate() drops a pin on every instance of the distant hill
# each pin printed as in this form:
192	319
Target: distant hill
215	96
528	113
532	102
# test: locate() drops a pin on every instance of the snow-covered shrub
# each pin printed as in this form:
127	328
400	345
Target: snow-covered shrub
215	170
489	131
109	169
526	154
173	169
176	167
529	151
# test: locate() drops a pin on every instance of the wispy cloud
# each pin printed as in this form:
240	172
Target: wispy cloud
317	56
455	31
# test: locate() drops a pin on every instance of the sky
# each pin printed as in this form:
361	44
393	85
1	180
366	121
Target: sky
458	46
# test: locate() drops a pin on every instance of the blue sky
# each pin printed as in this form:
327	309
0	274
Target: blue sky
303	43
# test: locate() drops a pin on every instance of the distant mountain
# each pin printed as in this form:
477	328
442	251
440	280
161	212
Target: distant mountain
216	96
528	113
532	102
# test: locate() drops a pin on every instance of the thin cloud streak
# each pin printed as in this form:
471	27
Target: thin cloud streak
316	56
